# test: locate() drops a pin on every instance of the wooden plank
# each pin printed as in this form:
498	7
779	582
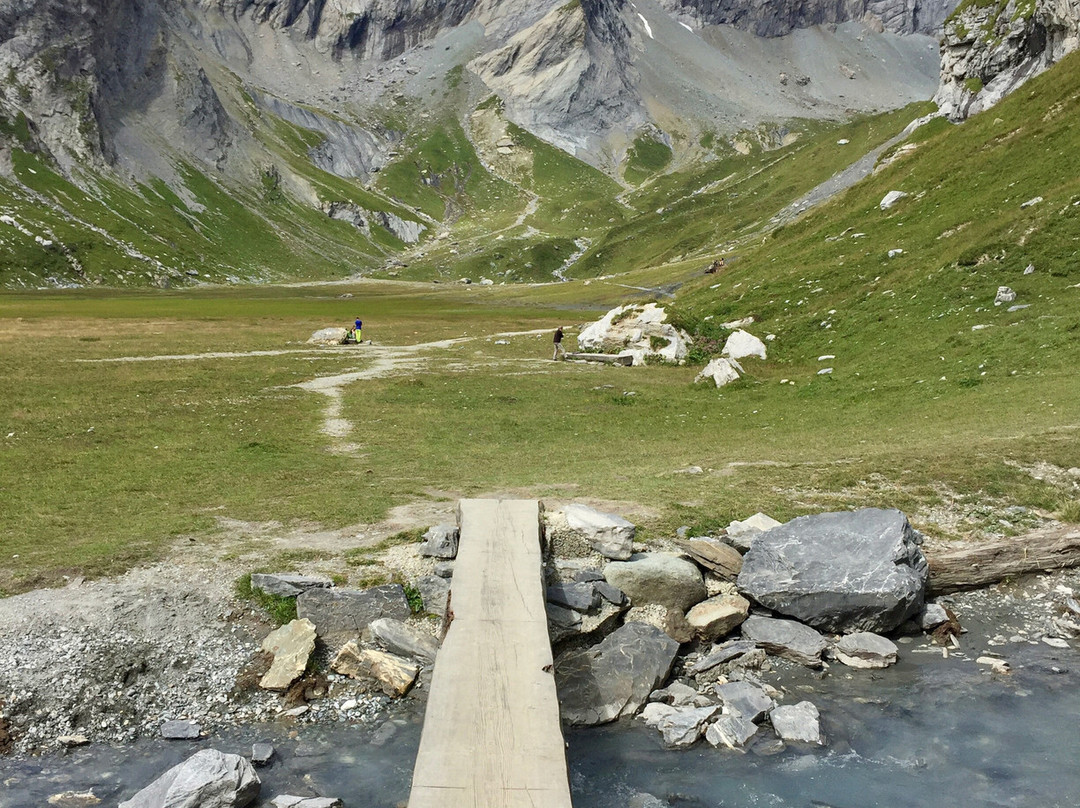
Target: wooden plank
492	736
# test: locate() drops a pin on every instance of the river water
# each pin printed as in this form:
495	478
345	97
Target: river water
927	732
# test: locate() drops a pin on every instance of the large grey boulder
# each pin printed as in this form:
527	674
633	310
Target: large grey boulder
866	650
786	639
608	534
441	541
615	677
797	722
839	572
287	584
684	725
745	699
207	779
732	731
340	615
403	639
658	578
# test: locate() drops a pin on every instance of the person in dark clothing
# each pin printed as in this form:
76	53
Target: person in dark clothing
558	344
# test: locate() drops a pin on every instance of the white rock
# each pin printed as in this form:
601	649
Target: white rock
891	199
894	253
1004	295
824	372
608	534
1029	269
826	357
721	370
998	665
741	344
1035	201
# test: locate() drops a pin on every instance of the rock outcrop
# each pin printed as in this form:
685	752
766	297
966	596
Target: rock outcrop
640	331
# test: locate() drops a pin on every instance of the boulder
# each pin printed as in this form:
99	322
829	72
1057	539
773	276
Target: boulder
287	584
684	725
719	558
444	569
608	534
840	572
328	336
654	712
615	677
207	779
565	623
581	597
732	731
741	344
612	594
291	646
722	370
340	615
742	534
797	722
891	199
180	730
866	650
394	674
403	639
677	694
1004	295
745	699
441	541
720	654
932	616
637	330
718	616
786	639
434	592
659	578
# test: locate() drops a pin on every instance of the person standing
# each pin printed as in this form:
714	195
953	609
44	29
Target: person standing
558	344
359	325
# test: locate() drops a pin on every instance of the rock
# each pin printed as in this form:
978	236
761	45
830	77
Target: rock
340	615
658	578
598	624
73	740
403	639
786	639
745	699
435	593
441	541
797	722
732	731
676	694
444	569
291	646
998	665
615	677
328	336
612	594
932	616
207	779
394	674
852	571
722	370
579	597
74	799
891	199
654	712
608	534
636	330
721	654
562	622
643	800
715	556
290	801
718	616
1031	202
893	253
742	534
1004	295
286	584
741	344
586	576
261	753
180	730
684	725
866	650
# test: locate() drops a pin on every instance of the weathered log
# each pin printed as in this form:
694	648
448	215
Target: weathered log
608	359
975	565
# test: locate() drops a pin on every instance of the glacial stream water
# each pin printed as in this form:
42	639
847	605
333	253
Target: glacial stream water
927	732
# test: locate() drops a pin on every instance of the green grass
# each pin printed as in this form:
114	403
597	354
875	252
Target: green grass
645	158
280	610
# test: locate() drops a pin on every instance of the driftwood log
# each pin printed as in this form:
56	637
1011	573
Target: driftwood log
976	565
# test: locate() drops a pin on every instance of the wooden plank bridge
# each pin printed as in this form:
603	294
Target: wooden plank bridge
492	736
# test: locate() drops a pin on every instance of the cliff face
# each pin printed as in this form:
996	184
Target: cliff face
772	18
988	51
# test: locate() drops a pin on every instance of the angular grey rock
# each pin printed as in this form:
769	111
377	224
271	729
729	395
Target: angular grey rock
180	730
852	571
597	624
444	569
581	597
587	576
207	779
403	639
608	534
654	712
676	694
732	731
340	615
612	594
684	725
435	592
741	535
718	616
785	638
1004	295
721	654
560	617
932	616
658	578
745	699
441	541
287	584
866	650
615	677
290	801
291	646
262	753
797	722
